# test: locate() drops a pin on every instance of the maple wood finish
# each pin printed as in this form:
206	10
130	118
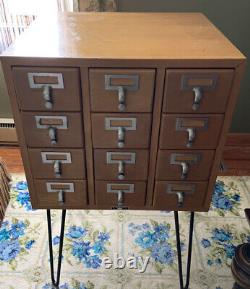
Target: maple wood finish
144	119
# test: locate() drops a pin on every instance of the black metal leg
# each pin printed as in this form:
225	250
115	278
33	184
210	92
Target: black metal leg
178	244
51	259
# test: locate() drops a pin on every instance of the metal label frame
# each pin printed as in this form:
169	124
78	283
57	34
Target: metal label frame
109	86
179	127
108	121
131	188
70	189
44	155
58	85
186	78
169	189
46	126
131	161
174	155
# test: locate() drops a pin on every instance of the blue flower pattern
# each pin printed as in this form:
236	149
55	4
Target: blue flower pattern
226	198
13	241
21	195
154	240
85	245
222	243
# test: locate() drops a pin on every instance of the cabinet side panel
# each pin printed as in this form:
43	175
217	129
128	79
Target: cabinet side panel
19	128
239	70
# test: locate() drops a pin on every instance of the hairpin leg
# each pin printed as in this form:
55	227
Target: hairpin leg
51	259
178	244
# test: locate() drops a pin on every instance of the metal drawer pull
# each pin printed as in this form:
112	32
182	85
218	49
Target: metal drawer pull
180	197
120	158
53	135
120	201
184	172
180	190
132	86
58	169
121	124
191	137
121	137
52	123
61	197
120	189
191	125
197	98
184	160
121	172
121	99
47	95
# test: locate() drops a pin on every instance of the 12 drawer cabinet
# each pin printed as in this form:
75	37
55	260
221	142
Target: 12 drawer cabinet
122	111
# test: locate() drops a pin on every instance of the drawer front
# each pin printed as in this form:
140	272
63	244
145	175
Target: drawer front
61	194
182	196
121	130
53	130
121	165
122	90
184	165
57	163
47	89
197	90
121	195
192	131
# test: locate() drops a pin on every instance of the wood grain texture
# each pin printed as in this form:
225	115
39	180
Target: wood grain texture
125	36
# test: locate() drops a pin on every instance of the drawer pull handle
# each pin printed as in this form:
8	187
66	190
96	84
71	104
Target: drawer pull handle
197	98
57	168
61	197
120	201
121	125
132	85
184	172
53	135
180	198
121	137
121	98
47	95
191	137
121	172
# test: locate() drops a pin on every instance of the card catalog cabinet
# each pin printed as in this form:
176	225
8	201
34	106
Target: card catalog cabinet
122	111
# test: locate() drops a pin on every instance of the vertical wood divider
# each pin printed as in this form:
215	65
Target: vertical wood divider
155	132
88	135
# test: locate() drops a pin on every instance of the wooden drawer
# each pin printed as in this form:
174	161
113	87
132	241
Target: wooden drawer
124	90
120	194
70	194
184	165
190	131
121	165
182	196
53	129
211	86
57	163
121	130
47	89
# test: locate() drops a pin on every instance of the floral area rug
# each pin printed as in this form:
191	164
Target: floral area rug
92	235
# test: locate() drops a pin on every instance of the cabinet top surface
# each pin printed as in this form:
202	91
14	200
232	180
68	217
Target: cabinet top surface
124	36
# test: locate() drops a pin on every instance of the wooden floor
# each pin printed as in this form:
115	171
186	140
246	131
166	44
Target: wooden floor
12	158
235	164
